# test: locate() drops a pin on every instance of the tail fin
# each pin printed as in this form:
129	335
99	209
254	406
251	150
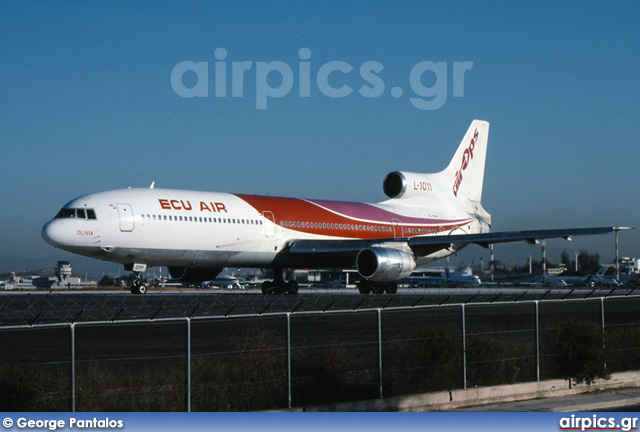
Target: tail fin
465	172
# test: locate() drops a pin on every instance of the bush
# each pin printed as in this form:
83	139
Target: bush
24	388
430	361
581	353
332	374
251	377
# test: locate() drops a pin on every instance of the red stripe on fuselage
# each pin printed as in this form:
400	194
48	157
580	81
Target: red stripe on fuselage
344	219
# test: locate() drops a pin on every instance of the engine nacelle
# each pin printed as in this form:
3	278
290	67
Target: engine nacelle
380	264
194	274
406	184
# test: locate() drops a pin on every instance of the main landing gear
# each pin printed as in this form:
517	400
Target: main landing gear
279	286
367	287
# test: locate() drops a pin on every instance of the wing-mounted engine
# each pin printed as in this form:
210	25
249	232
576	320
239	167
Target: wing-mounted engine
399	184
194	274
381	264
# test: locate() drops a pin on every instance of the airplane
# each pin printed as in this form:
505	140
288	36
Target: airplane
195	234
222	281
444	277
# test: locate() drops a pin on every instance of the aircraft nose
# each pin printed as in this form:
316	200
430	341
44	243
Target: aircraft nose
53	233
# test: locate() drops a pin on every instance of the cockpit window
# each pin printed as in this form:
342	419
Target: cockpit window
67	213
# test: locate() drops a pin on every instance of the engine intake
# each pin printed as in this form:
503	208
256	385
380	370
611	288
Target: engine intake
394	184
194	274
380	264
400	184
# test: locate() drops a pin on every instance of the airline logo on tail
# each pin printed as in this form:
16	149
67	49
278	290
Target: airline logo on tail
466	158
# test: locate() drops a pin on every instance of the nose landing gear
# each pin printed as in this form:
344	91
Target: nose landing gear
138	286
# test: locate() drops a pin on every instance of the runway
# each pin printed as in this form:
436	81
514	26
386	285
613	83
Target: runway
50	307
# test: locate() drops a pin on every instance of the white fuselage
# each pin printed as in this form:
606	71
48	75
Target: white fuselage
163	227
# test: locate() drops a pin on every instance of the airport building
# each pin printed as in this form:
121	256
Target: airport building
63	279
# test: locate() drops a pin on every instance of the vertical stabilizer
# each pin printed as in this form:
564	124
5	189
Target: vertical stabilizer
465	172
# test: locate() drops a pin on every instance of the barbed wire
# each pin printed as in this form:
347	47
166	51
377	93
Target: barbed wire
60	307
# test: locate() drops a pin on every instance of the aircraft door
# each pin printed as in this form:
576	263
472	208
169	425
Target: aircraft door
397	228
270	224
126	217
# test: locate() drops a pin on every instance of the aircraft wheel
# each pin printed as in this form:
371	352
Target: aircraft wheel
267	287
392	288
138	288
364	289
135	286
292	287
378	289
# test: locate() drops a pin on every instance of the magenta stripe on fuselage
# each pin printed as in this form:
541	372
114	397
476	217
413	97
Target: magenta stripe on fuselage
368	212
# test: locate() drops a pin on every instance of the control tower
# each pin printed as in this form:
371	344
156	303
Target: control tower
63	272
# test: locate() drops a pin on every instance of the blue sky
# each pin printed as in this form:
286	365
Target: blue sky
88	105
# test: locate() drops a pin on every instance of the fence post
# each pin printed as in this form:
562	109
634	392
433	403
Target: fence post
464	349
188	364
72	327
289	357
380	348
537	342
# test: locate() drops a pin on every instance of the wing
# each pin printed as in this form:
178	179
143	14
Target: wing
346	250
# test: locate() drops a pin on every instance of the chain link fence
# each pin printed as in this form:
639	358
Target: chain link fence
292	359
